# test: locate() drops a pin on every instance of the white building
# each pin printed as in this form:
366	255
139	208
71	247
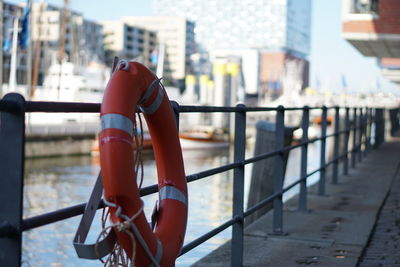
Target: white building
82	39
129	42
177	34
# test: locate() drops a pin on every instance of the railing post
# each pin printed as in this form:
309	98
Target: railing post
360	136
367	131
238	186
354	145
279	171
12	141
304	151
324	123
379	127
346	143
335	170
175	108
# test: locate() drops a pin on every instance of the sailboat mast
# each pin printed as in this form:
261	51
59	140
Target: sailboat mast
13	64
63	30
29	52
61	51
1	49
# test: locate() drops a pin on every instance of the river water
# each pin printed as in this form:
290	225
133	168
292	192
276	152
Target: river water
54	183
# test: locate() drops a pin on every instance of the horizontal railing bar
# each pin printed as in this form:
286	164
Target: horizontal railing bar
261	204
66	213
209	235
10	106
43	106
199	175
54	216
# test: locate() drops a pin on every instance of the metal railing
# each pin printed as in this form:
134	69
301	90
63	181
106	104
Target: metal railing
12	137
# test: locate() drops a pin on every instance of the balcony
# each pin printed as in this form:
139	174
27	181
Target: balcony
372	27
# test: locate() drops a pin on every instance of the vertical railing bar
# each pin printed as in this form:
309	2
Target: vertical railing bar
304	153
335	170
175	108
354	144
346	143
321	184
12	141
238	186
367	130
279	171
360	135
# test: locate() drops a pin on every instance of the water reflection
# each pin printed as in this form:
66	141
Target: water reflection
54	183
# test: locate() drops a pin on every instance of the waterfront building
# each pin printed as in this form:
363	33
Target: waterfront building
373	28
177	34
59	30
275	28
53	29
130	42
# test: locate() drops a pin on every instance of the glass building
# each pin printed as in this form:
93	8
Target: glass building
242	24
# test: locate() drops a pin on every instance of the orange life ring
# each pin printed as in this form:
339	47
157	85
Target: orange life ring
133	86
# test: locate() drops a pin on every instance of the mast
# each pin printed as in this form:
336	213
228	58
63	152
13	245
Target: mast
61	51
13	64
160	61
29	52
36	56
1	50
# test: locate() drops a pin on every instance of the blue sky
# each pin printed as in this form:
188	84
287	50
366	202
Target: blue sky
331	56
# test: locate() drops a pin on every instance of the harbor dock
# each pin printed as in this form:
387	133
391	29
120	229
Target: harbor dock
356	223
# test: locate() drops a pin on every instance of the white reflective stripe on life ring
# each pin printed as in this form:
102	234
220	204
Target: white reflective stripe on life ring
171	192
117	121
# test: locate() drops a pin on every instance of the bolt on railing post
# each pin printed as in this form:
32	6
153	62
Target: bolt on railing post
346	143
324	123
335	170
238	186
279	171
360	135
304	151
12	142
354	144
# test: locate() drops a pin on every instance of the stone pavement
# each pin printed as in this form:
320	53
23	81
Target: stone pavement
383	248
338	226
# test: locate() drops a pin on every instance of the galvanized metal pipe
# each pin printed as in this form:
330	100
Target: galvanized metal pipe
12	143
304	153
335	169
322	178
346	143
238	187
279	172
354	144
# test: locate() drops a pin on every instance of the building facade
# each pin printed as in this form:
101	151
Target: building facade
52	30
129	42
67	34
177	35
373	28
272	26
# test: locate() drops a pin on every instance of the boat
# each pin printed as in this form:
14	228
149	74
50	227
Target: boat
200	137
71	83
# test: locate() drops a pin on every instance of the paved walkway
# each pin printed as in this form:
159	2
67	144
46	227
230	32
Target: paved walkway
384	246
338	226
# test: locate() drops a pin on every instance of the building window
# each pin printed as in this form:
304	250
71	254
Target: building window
366	6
